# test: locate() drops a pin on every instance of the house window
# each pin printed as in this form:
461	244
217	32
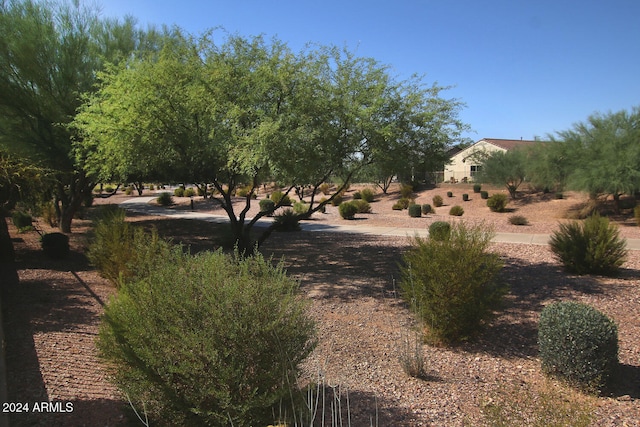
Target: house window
475	169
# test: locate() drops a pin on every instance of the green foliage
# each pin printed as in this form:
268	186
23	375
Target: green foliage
165	199
21	219
426	209
505	168
477	188
559	195
465	197
286	221
348	210
189	192
484	195
449	193
456	210
437	201
578	344
518	220
362	205
368	195
452	283
415	211
120	251
300	207
55	245
636	213
357	195
439	230
337	200
497	202
325	188
406	191
49	214
591	247
179	192
267	205
209	339
129	190
280	197
397	206
404	202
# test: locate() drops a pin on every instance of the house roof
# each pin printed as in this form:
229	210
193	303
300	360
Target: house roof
508	144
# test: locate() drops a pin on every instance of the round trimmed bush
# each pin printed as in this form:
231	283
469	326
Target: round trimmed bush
440	230
449	193
362	205
465	197
267	205
578	344
347	210
415	211
280	197
497	202
437	201
357	195
165	199
426	209
477	188
21	219
179	192
484	195
456	210
518	220
397	206
368	195
55	245
189	192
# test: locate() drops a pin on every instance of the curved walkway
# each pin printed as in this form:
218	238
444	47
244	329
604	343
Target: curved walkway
141	205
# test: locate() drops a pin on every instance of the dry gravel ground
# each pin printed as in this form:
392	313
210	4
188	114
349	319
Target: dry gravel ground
51	319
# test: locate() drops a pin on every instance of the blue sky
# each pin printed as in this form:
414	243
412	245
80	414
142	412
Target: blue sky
523	68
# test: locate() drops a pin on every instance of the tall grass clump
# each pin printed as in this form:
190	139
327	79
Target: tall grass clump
452	284
210	339
287	221
591	247
578	344
456	210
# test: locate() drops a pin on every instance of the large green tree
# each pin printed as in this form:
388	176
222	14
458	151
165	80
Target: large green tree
247	111
506	168
49	55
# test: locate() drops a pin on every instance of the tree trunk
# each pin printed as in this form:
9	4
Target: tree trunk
6	246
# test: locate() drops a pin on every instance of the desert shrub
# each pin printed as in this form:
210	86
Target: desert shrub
55	245
109	188
397	206
452	283
323	209
267	205
497	202
456	210
209	339
357	195
404	202
362	205
120	251
406	191
245	191
189	192
300	207
426	209
286	221
415	211
179	192
578	344
440	230
201	190
412	358
368	195
591	247
518	220
347	210
129	190
49	214
325	188
465	197
636	213
484	195
559	196
437	201
337	200
449	193
152	187
21	219
279	196
477	188
165	199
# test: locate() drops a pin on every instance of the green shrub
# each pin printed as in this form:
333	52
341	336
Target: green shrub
337	200
201	190
362	205
397	206
189	192
279	196
179	192
404	202
440	230
368	195
452	283
559	195
120	251
437	201
518	220
267	205
406	191
286	221
109	189
415	211
129	190
465	197
426	209
357	195
300	207
456	210
484	195
325	188
55	245
21	219
323	209
497	202
152	187
165	199
477	188
636	213
578	344
593	247
49	214
347	210
209	339
449	194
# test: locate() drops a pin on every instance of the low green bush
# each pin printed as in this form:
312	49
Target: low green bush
397	206
477	188
456	210
279	196
165	199
348	210
337	200
357	195
415	211
426	209
49	214
362	205
484	195
267	205
518	220
286	221
55	245
21	219
559	195
591	247
404	202
465	197
636	213
325	188
209	339
437	201
406	191
300	207
368	195
179	192
129	190
452	283
497	202
439	230
189	192
449	193
578	344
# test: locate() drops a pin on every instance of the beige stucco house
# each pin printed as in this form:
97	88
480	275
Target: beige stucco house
465	164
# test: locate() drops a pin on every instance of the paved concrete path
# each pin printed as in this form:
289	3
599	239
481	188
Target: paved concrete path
141	204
